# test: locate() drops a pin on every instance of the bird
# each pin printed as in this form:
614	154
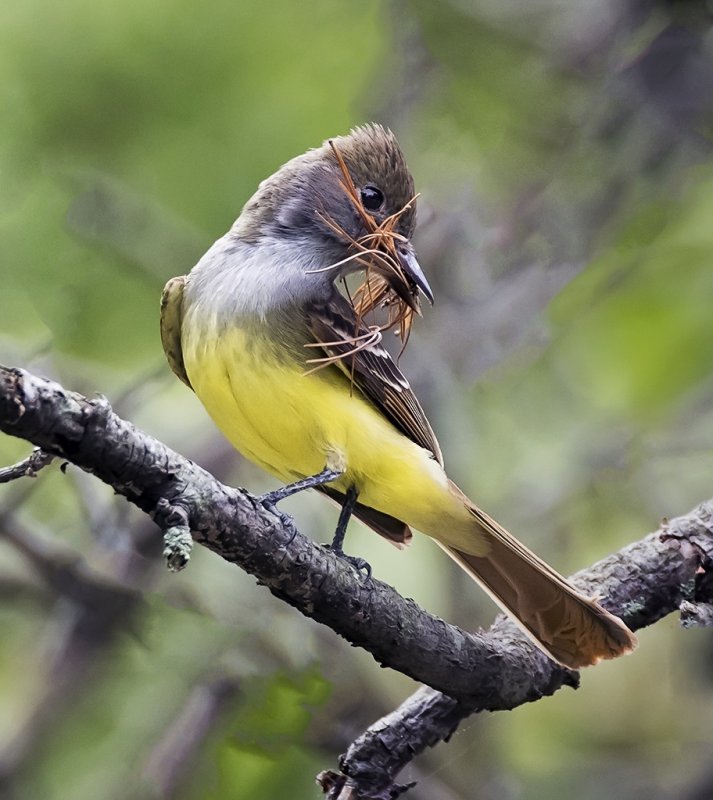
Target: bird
286	366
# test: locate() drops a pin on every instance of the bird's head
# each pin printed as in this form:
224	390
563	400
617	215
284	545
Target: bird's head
351	203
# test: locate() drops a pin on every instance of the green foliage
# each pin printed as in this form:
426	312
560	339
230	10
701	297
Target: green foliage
260	759
273	717
642	312
176	101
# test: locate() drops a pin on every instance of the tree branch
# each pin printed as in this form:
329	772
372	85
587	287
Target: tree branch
668	570
234	524
495	670
27	468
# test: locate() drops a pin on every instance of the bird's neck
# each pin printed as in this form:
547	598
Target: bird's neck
238	281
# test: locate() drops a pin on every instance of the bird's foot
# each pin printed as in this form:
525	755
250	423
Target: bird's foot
269	501
359	564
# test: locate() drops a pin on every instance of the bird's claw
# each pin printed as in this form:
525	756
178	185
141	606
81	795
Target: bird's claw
359	564
269	501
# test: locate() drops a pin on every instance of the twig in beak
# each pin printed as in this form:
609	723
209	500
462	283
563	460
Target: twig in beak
377	249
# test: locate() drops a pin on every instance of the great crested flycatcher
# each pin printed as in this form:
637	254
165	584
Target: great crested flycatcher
244	329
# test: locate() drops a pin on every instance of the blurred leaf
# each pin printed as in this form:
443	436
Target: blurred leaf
640	330
280	710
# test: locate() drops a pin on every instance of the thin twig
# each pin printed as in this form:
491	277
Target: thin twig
28	467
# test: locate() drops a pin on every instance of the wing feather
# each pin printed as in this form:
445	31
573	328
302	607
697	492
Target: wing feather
171	323
372	369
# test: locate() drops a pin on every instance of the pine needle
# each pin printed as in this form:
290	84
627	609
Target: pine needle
377	248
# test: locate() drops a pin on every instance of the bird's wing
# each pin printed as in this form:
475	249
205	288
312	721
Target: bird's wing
334	325
171	321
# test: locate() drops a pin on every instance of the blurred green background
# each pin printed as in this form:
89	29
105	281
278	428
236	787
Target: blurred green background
564	158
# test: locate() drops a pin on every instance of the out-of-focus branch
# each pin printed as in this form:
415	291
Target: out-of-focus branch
484	671
173	757
91	610
28	467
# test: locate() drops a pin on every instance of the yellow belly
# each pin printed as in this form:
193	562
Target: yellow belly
294	424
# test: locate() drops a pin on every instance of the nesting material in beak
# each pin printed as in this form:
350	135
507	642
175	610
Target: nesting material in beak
393	276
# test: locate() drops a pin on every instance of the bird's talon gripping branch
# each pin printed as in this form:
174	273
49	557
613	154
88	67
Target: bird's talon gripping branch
359	564
285	519
269	500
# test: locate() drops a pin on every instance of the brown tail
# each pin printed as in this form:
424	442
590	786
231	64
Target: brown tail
571	628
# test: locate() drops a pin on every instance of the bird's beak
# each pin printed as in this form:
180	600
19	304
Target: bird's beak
414	274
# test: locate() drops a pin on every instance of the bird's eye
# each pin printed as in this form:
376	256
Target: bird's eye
372	198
